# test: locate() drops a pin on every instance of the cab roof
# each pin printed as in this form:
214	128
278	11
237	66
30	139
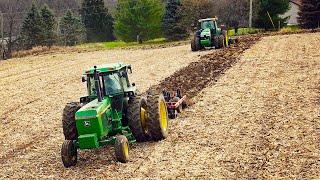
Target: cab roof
208	19
105	68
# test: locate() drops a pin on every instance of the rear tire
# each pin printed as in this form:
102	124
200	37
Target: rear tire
219	42
122	149
138	128
69	154
68	121
216	42
158	117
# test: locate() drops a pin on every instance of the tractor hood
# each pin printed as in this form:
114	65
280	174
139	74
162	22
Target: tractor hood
93	109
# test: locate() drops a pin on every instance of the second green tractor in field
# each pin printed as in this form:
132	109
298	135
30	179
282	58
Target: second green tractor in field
112	113
209	35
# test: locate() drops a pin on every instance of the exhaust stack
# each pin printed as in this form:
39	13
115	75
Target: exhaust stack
97	84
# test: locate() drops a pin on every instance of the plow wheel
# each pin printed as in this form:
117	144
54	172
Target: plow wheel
137	117
158	117
177	99
69	122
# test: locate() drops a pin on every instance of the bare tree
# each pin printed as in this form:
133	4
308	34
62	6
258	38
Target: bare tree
14	12
12	16
233	13
193	10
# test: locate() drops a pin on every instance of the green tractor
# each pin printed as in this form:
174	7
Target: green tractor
209	35
112	113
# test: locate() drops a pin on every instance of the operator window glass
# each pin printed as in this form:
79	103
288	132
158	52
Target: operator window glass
92	87
112	84
207	24
124	80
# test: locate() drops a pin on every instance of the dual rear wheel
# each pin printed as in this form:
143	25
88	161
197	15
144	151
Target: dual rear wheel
148	118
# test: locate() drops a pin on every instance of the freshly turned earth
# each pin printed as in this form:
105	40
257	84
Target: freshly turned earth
254	112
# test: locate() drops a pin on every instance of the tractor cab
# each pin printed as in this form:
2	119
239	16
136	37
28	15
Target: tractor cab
209	23
209	35
108	80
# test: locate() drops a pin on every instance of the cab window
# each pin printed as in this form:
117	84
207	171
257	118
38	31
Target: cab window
112	84
208	24
91	86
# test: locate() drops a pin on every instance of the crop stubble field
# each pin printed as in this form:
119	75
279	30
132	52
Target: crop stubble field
256	117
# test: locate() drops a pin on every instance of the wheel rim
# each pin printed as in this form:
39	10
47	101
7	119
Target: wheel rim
143	118
126	149
163	116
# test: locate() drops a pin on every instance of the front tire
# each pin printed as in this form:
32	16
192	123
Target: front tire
158	117
122	149
69	154
195	44
69	122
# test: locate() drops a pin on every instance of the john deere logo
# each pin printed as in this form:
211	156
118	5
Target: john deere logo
87	123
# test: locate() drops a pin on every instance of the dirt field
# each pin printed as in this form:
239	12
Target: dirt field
260	119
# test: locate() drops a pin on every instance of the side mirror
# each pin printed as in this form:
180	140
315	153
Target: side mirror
84	79
124	74
130	69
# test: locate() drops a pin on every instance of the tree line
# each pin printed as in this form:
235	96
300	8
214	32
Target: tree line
142	20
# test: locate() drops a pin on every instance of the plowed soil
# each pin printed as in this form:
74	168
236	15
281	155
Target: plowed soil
255	113
198	75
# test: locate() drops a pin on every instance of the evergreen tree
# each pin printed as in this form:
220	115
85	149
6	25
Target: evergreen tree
72	29
309	15
172	26
47	26
31	28
97	20
274	8
139	19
